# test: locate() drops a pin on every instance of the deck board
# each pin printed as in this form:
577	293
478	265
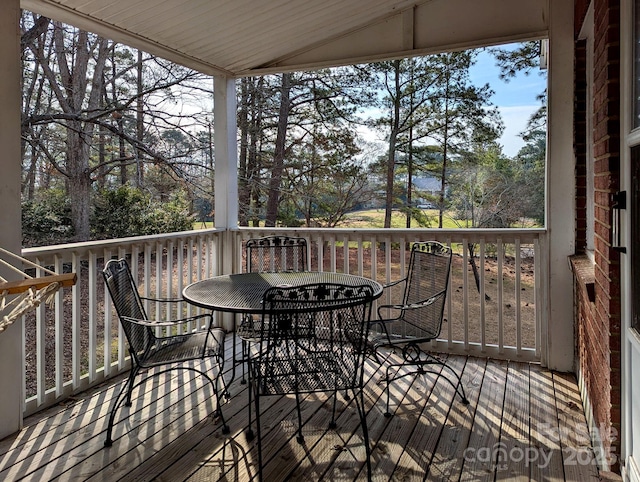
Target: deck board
574	436
170	432
543	429
325	446
429	420
480	456
450	453
514	432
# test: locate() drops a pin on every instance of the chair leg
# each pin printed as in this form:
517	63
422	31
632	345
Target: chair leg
223	387
359	399
257	403
242	360
126	391
333	424
132	375
245	355
219	392
300	437
124	394
459	388
421	364
388	381
250	433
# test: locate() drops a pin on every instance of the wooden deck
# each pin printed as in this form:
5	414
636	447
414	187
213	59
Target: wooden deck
523	423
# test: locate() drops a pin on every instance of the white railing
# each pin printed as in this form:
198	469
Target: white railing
76	343
496	318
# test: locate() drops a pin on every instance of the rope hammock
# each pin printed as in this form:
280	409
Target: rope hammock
29	292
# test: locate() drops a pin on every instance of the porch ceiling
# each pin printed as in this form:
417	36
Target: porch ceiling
249	37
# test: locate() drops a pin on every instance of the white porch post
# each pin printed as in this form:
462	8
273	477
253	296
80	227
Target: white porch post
226	172
560	213
226	152
10	234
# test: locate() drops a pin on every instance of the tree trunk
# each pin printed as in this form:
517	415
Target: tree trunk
474	268
244	195
445	145
124	177
410	155
410	179
210	158
391	159
279	154
255	134
139	123
79	136
390	178
30	182
79	181
102	159
443	185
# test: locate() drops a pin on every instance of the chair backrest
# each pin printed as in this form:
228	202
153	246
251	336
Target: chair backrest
276	253
313	337
126	300
427	278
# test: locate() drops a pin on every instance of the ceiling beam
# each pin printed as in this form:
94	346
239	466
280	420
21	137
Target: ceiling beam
426	28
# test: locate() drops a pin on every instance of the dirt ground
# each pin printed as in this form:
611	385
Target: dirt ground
474	307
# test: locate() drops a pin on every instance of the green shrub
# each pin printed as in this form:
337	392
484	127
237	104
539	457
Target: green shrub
118	213
47	219
127	211
169	217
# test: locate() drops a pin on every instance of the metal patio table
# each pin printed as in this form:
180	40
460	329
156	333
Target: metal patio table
242	292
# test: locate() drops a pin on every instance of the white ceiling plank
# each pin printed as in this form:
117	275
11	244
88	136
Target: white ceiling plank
438	26
248	37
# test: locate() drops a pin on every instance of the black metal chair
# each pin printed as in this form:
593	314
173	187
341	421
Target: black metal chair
264	255
276	254
313	339
417	319
148	349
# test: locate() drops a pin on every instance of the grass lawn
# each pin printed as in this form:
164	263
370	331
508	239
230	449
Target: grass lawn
374	218
203	225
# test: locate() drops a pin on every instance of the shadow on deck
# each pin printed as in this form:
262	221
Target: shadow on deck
523	423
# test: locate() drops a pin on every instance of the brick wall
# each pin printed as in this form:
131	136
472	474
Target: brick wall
597	292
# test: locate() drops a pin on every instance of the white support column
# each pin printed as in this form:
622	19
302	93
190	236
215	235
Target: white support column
226	155
226	172
11	370
226	152
560	213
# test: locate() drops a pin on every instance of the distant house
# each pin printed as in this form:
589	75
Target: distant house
427	190
427	185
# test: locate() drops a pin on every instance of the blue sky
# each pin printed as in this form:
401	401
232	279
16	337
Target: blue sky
516	99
